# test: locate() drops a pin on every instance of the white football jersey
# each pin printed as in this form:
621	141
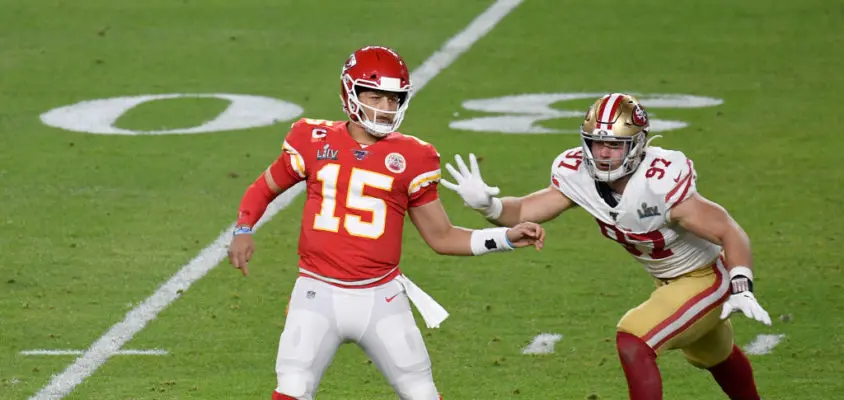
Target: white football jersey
640	219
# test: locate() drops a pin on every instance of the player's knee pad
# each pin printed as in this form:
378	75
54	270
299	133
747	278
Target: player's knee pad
711	349
697	363
705	359
417	389
295	385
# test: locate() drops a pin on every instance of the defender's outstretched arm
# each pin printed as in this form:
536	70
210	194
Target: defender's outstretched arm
433	224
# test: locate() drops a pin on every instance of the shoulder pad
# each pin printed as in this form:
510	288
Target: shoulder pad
429	149
669	174
568	162
566	170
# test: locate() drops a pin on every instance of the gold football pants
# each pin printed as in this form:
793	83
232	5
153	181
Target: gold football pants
684	313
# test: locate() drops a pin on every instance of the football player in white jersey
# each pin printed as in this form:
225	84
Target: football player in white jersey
644	198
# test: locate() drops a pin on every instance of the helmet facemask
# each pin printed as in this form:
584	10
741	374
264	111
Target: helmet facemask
356	108
634	148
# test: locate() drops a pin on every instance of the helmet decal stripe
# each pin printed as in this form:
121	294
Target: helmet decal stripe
615	106
601	110
608	109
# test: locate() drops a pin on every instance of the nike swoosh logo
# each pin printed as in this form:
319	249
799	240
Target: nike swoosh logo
677	179
389	299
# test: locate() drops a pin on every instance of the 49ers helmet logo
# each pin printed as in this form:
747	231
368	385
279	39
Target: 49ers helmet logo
640	116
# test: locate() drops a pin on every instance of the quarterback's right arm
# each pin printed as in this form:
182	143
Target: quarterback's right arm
540	206
288	169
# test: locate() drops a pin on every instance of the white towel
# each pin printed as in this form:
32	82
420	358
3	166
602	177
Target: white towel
432	312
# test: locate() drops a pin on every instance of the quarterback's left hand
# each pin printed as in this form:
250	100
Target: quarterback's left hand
742	298
527	234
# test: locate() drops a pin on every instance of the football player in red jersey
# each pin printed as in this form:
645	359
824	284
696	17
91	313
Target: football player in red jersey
362	177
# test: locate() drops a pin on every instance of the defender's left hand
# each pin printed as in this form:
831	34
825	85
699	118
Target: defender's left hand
742	298
469	184
747	304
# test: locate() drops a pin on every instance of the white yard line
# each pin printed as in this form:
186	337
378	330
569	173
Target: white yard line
135	320
43	352
462	41
542	343
763	344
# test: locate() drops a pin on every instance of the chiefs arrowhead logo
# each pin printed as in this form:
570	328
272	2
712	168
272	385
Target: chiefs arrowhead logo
350	62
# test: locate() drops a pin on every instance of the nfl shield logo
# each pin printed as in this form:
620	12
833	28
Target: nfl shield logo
360	154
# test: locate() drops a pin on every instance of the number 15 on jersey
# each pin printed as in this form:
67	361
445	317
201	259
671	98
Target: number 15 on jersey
328	220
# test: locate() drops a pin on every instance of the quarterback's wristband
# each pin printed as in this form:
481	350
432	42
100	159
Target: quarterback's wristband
489	240
242	230
741	279
494	210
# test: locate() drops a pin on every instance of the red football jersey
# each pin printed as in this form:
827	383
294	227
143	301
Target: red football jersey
357	196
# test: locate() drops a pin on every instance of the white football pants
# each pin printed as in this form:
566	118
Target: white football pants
322	316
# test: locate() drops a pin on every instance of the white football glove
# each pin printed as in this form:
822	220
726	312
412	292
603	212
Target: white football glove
742	298
471	187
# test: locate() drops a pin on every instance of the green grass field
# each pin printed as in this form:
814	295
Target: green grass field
94	224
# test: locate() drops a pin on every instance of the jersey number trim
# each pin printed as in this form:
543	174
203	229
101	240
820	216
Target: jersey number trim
326	220
658	241
576	155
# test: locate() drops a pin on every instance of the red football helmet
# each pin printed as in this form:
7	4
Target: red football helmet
379	68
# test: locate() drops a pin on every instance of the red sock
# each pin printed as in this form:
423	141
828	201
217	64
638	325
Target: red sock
639	362
735	376
279	396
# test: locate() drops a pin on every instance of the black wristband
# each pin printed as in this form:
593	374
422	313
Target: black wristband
741	283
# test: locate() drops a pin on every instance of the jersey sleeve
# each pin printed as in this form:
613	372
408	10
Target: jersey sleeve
672	178
291	165
564	170
423	186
